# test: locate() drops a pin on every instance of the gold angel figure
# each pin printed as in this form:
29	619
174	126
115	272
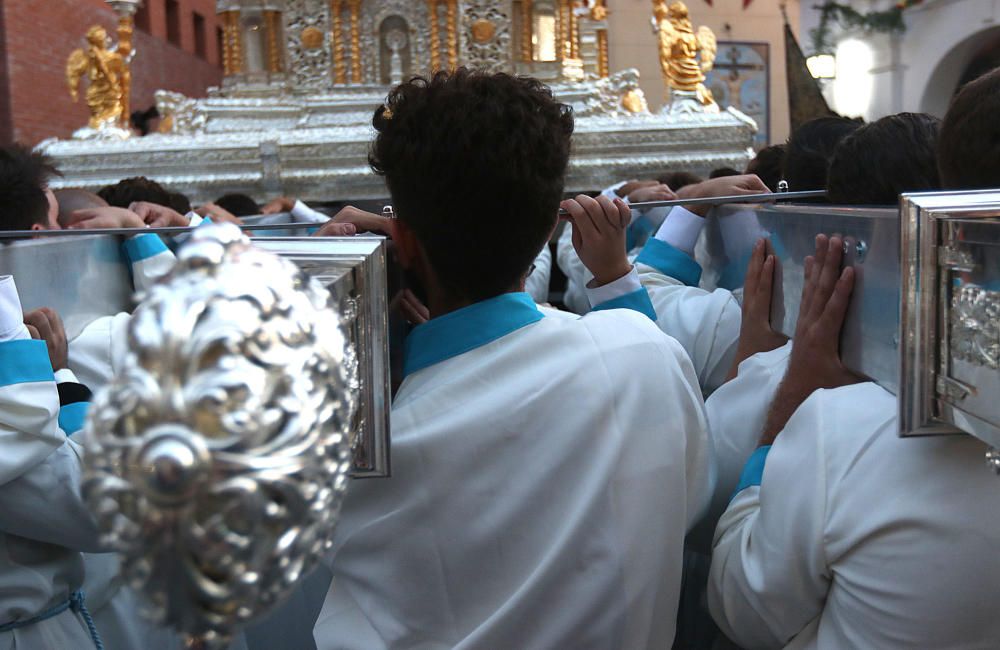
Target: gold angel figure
107	70
680	48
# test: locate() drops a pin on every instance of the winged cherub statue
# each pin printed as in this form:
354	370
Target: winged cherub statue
107	70
680	48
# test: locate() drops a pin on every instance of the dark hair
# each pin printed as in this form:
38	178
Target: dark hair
238	205
809	150
677	180
475	164
881	160
140	119
179	203
71	199
138	188
722	172
969	144
24	177
768	165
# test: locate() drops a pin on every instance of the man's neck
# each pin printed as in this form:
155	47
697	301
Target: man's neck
439	303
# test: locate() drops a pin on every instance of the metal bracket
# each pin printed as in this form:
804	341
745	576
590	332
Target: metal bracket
953	390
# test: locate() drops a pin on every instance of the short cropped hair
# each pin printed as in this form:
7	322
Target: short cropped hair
238	205
138	188
969	144
810	148
24	177
884	159
768	165
475	164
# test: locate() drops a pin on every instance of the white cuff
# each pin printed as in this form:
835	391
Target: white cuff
65	375
304	214
740	231
612	192
628	283
11	316
681	229
194	219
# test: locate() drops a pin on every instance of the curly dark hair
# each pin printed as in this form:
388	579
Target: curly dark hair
810	148
884	159
969	145
767	164
475	164
24	177
138	188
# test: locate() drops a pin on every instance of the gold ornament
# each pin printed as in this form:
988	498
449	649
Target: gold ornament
680	48
483	31
312	38
107	70
635	102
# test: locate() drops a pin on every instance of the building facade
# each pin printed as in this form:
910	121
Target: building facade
177	45
946	43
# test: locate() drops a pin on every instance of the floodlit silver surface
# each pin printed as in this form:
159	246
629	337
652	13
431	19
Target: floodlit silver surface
219	455
950	310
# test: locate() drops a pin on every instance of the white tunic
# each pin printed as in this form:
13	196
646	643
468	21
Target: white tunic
545	471
851	537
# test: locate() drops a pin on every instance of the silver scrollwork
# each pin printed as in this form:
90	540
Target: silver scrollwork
975	326
219	455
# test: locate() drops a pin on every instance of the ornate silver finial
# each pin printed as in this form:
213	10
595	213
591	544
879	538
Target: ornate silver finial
218	457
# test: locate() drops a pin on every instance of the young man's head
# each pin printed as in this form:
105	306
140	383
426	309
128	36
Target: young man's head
71	199
139	188
677	180
239	205
809	150
884	159
475	165
768	165
26	202
969	144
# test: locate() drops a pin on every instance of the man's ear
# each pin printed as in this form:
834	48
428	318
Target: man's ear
408	249
37	226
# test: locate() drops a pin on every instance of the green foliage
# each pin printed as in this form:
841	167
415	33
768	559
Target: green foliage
849	18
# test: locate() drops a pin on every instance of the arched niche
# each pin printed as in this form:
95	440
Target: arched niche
544	31
395	50
954	68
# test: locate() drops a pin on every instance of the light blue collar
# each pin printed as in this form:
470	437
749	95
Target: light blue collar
466	329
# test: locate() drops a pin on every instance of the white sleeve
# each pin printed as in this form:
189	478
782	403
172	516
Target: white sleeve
29	407
681	229
769	575
149	258
577	275
11	315
707	325
537	284
46	504
304	214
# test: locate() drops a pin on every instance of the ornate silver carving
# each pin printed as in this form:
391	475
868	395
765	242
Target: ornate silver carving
308	68
417	18
218	458
184	113
975	326
492	54
610	92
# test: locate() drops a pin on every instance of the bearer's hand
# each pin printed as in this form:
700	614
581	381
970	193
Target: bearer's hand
724	186
360	220
756	333
107	217
159	216
218	214
45	325
815	361
632	186
280	204
599	235
412	309
658	192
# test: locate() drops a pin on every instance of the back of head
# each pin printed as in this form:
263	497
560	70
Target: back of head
24	179
884	159
723	172
239	205
139	188
475	164
969	144
677	180
768	165
809	150
179	203
72	199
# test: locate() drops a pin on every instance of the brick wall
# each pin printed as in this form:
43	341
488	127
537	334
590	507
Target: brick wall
37	38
